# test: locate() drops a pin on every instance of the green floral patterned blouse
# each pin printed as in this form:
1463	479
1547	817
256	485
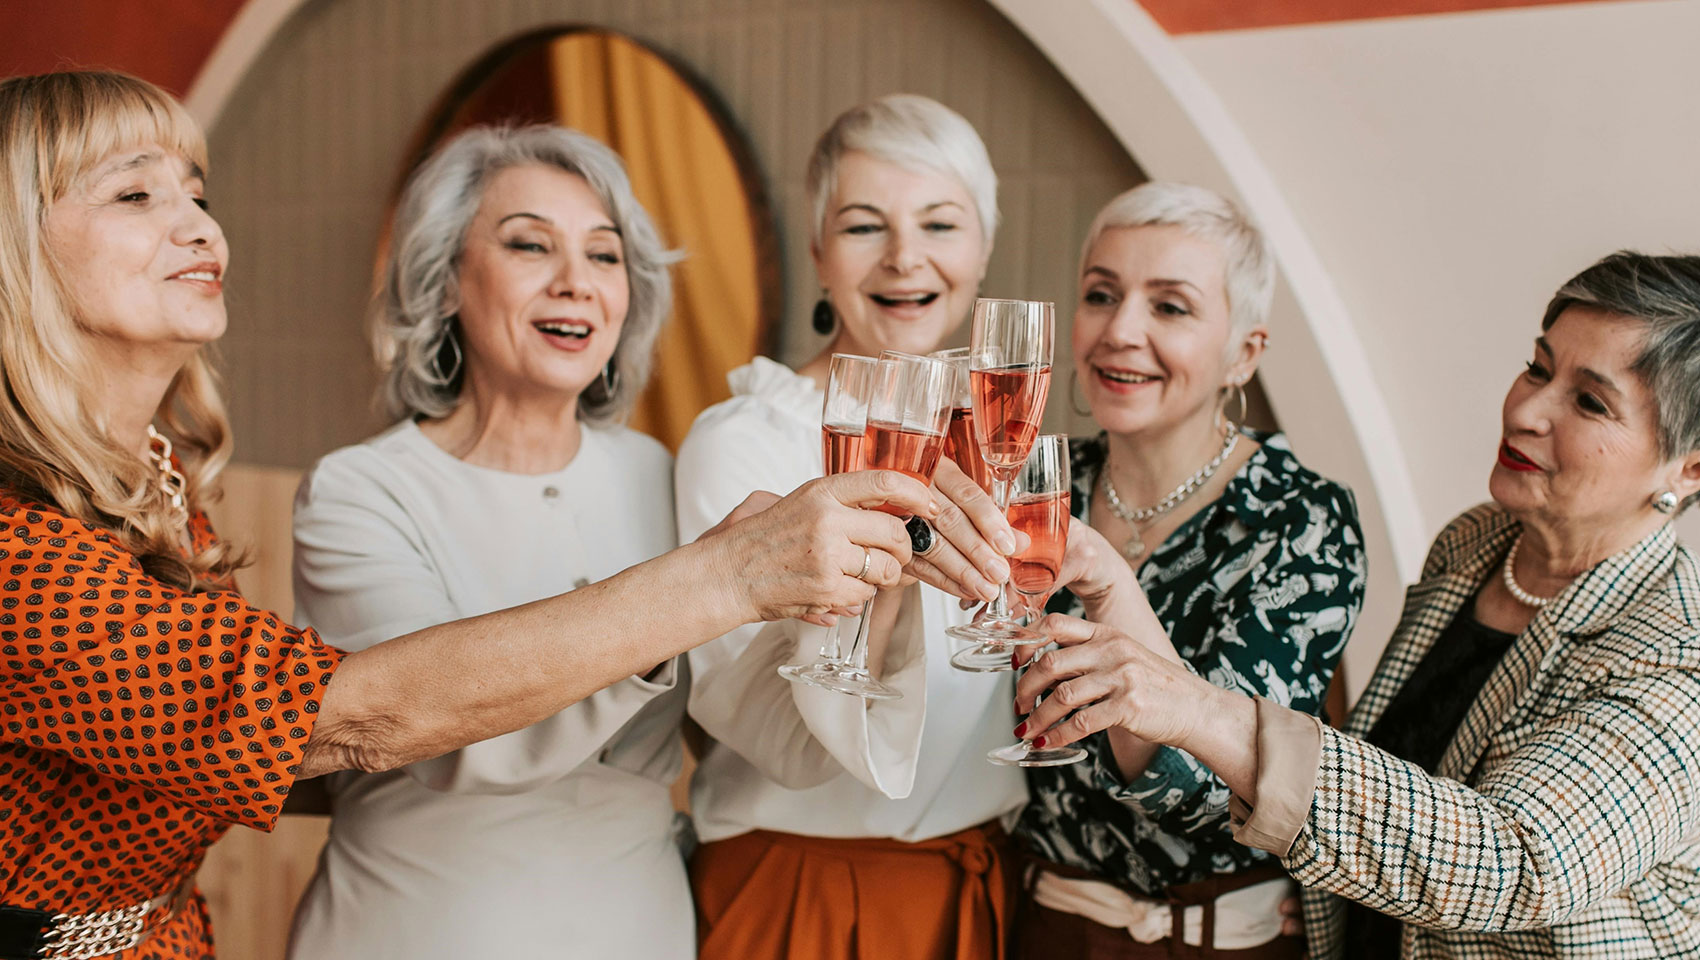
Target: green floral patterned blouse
1259	591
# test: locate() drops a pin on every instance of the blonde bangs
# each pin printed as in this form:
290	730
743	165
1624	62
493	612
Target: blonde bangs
88	117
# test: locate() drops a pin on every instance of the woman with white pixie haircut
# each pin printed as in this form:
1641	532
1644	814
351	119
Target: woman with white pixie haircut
524	291
1253	564
835	827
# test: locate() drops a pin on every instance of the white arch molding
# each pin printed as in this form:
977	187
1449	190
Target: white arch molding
1147	93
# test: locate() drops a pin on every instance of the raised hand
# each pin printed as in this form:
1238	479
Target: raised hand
971	539
804	555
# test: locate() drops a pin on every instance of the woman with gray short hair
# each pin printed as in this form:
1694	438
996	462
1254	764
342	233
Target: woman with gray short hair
1522	776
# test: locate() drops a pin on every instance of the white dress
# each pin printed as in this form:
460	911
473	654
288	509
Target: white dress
556	840
795	758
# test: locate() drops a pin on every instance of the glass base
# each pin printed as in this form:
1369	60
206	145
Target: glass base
840	678
1024	755
984	658
997	631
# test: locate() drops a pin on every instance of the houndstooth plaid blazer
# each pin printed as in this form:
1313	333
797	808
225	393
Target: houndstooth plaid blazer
1565	817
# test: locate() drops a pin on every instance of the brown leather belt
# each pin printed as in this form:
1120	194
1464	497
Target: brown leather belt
39	935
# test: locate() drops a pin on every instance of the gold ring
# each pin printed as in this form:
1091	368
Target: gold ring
867	561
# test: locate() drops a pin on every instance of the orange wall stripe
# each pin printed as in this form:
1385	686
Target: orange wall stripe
1202	16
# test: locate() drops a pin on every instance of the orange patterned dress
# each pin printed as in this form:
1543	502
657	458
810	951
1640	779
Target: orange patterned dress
140	722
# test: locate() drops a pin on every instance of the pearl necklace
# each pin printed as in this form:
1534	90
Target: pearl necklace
1135	547
1522	596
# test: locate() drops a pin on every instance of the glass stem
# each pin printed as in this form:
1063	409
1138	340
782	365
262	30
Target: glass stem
998	609
829	647
858	660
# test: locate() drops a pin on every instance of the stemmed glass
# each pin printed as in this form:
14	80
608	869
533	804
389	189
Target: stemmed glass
907	411
843	428
1010	374
1040	509
960	443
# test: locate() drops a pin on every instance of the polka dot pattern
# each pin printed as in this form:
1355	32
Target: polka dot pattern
139	721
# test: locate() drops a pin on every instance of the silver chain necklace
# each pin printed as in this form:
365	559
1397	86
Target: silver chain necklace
1135	519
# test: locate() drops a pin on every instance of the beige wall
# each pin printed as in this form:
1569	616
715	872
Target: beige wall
1451	171
306	152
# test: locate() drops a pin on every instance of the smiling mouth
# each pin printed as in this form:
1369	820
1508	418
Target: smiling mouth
1122	376
919	299
563	328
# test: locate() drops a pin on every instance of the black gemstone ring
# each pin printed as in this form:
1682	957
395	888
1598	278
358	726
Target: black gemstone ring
922	539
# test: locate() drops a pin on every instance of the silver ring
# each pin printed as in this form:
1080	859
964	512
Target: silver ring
867	561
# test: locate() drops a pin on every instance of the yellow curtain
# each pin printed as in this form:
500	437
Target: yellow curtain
684	175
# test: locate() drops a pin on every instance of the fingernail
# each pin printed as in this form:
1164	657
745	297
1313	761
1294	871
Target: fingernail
1005	542
1021	728
988	593
1038	742
1000	570
932	508
1015	661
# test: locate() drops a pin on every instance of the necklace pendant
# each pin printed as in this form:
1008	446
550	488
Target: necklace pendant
1133	549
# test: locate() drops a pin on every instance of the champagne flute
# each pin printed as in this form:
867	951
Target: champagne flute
960	443
1010	373
907	414
843	427
1039	508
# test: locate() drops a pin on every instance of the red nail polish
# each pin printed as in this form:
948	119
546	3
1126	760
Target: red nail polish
1021	728
1038	742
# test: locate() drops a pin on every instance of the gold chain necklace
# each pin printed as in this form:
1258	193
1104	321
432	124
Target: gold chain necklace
170	482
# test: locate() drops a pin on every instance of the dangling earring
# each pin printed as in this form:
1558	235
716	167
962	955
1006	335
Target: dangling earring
1235	424
1074	388
1666	503
824	318
610	379
453	343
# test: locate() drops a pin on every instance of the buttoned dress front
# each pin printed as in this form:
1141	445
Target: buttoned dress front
555	840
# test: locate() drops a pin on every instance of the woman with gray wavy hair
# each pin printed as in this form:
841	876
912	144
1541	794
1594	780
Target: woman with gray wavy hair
522	296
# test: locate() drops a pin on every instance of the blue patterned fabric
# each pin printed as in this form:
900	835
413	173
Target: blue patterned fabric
1258	591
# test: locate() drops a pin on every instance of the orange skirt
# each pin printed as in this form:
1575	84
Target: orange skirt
779	896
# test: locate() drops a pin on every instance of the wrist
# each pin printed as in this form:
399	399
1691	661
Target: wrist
724	600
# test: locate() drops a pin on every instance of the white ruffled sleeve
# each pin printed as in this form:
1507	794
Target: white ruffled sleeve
797	735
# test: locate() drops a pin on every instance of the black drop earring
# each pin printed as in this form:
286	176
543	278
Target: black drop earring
824	319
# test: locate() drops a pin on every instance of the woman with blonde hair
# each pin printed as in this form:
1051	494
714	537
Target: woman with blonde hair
835	827
146	705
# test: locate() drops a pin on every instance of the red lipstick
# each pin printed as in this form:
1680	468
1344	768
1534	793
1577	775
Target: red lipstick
1512	458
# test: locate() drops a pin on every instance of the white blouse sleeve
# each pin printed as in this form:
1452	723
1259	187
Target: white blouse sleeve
362	576
797	735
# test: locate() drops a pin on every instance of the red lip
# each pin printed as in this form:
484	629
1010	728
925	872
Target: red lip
1512	458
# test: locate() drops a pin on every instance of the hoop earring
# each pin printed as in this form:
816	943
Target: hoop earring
824	318
1236	424
1074	388
1666	503
453	342
610	379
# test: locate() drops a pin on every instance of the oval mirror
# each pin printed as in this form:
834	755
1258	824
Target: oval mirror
690	168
